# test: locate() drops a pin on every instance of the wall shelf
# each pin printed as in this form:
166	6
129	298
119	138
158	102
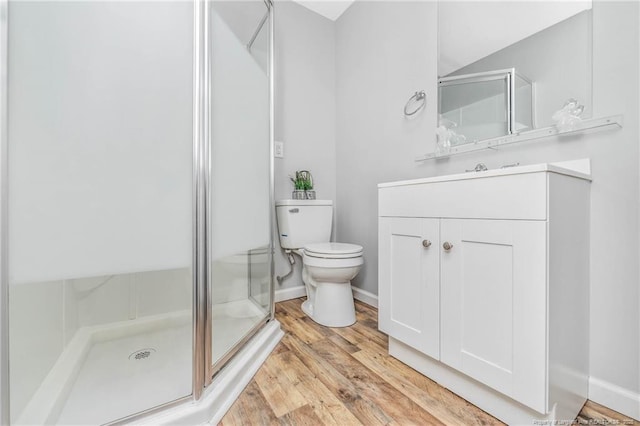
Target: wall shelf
586	126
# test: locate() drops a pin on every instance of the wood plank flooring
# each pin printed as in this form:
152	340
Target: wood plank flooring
344	376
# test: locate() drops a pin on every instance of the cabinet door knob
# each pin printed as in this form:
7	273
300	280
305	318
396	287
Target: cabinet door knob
426	243
447	245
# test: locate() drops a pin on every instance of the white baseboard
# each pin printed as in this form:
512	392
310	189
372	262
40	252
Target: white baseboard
299	291
612	396
365	297
290	293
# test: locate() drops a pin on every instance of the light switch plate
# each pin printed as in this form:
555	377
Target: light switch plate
278	151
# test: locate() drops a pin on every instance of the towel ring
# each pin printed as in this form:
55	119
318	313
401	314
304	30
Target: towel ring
417	97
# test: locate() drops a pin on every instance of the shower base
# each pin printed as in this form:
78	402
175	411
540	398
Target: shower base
130	374
114	370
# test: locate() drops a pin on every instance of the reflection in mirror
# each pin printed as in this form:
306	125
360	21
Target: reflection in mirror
525	60
485	105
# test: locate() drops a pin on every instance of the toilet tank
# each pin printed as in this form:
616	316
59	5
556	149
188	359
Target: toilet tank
302	222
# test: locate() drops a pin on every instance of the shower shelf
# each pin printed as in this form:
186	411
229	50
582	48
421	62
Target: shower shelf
587	126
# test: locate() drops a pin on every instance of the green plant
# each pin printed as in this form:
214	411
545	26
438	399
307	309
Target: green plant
303	181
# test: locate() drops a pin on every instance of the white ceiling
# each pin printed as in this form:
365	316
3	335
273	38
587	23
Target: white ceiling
331	9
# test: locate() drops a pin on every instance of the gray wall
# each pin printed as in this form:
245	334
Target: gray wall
305	107
385	51
615	321
567	45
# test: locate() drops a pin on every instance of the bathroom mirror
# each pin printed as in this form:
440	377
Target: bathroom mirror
505	67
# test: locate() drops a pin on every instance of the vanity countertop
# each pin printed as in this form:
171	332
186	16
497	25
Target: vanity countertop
578	169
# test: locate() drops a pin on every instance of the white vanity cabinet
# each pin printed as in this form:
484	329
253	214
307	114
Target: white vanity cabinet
483	286
410	309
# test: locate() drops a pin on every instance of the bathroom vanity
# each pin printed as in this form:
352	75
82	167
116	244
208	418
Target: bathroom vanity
484	285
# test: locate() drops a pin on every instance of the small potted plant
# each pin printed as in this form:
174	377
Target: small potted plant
303	186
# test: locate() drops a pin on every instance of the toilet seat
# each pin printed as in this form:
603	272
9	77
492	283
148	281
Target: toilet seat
333	250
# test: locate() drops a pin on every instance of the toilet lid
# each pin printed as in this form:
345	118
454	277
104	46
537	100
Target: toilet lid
335	250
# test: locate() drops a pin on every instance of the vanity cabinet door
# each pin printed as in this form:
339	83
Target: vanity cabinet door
493	304
409	289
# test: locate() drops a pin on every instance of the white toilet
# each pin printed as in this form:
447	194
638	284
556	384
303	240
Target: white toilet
304	227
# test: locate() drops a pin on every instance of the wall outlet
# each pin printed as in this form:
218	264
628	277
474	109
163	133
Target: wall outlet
278	152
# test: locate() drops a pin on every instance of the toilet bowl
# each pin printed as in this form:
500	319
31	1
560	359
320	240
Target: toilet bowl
327	271
304	228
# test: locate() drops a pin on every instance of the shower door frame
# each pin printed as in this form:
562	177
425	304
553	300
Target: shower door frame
203	368
201	108
4	282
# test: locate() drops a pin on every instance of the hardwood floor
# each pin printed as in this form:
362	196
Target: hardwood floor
344	376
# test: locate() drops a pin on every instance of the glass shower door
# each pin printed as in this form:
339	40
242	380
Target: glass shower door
100	152
240	159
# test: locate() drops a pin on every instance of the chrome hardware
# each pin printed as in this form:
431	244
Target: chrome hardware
506	166
447	246
480	167
292	262
257	31
426	243
296	210
418	97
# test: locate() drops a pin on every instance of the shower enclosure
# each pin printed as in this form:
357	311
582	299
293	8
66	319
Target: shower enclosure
136	204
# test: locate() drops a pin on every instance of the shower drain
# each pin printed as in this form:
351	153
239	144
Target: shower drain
141	354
